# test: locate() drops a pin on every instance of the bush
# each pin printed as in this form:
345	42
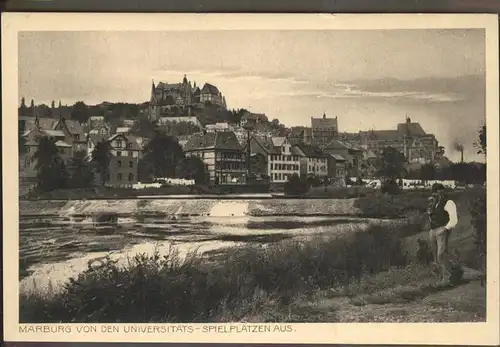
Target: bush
296	185
341	192
171	289
390	187
393	206
477	209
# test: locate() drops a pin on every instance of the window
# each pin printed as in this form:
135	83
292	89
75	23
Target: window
77	137
130	153
119	177
119	163
61	150
118	154
130	164
130	176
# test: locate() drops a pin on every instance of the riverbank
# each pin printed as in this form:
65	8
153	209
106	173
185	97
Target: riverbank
320	279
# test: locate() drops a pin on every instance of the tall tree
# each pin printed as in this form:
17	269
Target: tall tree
101	158
192	168
427	172
481	143
80	112
81	175
50	168
162	154
391	164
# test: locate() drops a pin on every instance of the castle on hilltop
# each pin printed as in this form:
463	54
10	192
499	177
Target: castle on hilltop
165	96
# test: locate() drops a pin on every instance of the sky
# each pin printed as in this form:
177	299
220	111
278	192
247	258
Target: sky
369	79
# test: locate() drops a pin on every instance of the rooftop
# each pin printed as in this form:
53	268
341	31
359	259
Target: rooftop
222	140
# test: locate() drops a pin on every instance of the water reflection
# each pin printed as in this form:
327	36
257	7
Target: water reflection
57	245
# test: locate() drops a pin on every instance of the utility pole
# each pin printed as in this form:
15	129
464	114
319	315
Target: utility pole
249	126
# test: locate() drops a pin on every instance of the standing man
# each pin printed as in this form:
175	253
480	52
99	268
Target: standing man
443	218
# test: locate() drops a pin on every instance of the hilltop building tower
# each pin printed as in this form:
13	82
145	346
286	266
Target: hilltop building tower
324	129
166	96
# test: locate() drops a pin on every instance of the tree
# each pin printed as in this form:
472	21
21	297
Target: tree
427	172
296	185
81	174
50	168
481	144
101	158
80	112
192	168
391	164
22	145
161	155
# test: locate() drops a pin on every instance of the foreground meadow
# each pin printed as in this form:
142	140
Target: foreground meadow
376	274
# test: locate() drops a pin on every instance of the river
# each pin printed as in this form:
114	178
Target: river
58	238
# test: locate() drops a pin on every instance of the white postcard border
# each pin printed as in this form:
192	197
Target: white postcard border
398	333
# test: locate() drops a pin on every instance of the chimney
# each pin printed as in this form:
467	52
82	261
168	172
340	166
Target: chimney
462	155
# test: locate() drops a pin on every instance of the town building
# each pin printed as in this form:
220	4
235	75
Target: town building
323	130
219	127
222	154
211	94
337	169
163	121
254	118
313	161
300	134
67	134
123	166
283	159
408	138
352	155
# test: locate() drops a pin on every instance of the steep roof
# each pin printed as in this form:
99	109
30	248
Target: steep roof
278	141
411	129
53	133
210	89
337	144
337	157
222	140
311	151
383	135
74	127
131	140
168	86
263	145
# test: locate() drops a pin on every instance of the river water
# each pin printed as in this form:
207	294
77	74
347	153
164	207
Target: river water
58	238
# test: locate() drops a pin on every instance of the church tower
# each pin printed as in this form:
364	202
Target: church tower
152	103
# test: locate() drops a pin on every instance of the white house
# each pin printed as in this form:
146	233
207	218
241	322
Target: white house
283	160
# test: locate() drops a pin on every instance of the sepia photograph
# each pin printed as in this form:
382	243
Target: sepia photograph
255	175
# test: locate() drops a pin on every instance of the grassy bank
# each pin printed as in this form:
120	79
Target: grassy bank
171	289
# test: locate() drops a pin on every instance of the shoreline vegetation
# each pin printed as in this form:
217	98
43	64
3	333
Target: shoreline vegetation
324	279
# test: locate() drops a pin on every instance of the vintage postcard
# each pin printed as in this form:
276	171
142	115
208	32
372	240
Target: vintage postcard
250	178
